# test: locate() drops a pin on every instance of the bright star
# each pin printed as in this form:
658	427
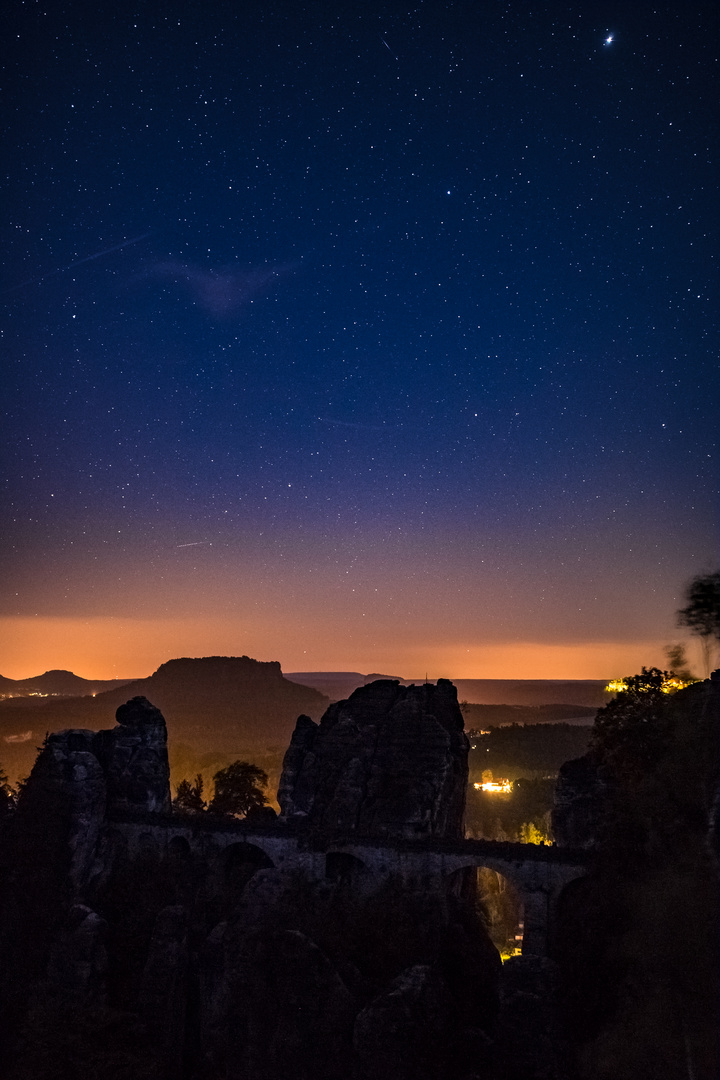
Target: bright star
608	40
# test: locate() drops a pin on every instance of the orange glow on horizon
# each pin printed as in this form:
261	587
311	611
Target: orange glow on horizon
107	648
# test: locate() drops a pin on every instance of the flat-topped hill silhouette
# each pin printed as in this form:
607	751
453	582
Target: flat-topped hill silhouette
218	703
228	701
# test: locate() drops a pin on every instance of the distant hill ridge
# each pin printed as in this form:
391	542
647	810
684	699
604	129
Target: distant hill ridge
337	685
226	670
586	692
213	703
58	683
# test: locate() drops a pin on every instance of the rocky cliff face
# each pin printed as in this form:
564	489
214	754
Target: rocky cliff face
47	936
67	784
390	760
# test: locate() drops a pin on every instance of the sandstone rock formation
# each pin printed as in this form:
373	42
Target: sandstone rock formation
291	1014
85	774
135	760
68	786
306	980
390	760
51	941
636	939
529	1041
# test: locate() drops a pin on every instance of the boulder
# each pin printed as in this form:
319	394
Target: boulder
404	1032
78	962
390	760
163	990
291	1013
528	1042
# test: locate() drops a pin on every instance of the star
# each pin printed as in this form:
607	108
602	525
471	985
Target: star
609	39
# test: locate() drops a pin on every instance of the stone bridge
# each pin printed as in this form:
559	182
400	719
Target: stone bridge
538	873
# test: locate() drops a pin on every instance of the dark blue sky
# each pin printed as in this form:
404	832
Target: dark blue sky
361	335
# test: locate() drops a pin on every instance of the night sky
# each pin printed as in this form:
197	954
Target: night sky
358	336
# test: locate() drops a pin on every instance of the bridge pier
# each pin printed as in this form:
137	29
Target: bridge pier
536	923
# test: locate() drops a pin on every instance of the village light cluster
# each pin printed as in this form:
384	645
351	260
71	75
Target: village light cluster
496	787
669	685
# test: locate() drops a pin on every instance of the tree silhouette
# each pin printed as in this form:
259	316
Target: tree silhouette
632	728
189	797
679	664
702	613
238	789
7	800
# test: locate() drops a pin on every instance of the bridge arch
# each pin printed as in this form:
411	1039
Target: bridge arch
227	856
344	868
497	901
239	862
179	847
229	869
507	869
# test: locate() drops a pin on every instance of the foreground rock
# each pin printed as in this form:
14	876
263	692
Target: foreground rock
403	1032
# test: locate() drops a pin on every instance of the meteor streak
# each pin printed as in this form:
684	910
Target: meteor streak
78	262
